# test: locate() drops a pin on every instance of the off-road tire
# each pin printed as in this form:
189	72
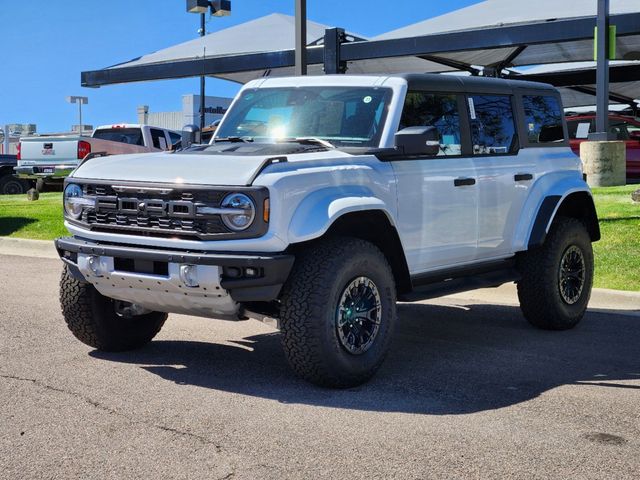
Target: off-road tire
539	289
92	318
309	304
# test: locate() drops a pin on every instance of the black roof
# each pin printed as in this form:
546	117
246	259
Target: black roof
459	83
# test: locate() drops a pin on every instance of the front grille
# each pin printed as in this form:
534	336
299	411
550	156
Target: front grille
163	212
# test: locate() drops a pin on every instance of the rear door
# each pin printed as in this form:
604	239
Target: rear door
506	172
437	196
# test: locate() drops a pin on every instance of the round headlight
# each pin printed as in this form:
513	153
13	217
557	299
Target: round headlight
73	201
243	214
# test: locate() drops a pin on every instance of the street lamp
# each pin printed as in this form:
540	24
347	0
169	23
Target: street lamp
80	101
218	8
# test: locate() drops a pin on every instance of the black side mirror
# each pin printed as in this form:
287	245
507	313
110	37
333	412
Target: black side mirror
418	141
635	135
190	135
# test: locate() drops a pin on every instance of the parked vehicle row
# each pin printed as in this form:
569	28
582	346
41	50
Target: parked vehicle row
51	158
9	184
623	128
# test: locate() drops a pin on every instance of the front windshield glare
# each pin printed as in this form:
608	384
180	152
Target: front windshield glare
344	116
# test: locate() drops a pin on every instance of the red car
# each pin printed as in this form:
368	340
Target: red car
625	128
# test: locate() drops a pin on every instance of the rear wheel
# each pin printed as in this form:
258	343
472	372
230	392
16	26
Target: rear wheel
338	312
10	185
100	322
557	278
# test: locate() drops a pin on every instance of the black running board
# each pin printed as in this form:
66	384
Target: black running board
462	280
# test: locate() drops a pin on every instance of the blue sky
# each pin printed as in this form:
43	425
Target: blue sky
47	43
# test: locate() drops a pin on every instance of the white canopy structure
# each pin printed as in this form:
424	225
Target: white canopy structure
489	37
513	13
272	33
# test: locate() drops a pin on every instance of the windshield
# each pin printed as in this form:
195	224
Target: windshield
132	136
343	116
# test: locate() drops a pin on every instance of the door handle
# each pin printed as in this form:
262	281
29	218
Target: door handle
461	182
521	177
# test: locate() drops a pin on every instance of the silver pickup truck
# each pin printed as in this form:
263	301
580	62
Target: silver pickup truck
52	158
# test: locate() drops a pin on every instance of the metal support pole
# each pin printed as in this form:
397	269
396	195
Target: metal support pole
80	115
301	37
602	74
202	78
5	141
333	37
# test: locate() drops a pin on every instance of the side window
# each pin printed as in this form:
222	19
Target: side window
579	129
543	119
436	110
159	140
619	129
175	138
492	127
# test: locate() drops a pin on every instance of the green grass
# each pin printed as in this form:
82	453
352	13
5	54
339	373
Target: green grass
617	255
41	220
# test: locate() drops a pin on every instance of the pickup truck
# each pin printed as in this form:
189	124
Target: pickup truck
51	158
323	200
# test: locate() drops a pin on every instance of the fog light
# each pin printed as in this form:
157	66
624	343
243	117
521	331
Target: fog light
189	275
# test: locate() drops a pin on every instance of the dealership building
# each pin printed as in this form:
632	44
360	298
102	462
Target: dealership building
215	108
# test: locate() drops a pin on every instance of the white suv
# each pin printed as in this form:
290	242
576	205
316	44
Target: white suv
323	200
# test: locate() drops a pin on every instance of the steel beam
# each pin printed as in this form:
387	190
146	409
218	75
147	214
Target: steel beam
613	97
301	37
333	38
569	30
617	74
602	74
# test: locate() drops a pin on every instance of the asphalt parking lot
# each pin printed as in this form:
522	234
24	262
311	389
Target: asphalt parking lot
468	391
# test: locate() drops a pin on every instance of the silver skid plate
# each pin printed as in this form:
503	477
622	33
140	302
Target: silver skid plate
158	292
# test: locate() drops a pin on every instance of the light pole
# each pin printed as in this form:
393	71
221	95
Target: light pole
219	8
80	101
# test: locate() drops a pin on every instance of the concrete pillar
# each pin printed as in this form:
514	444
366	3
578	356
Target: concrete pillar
604	163
143	114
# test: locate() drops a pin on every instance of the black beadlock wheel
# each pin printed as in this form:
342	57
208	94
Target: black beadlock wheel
557	278
338	312
93	318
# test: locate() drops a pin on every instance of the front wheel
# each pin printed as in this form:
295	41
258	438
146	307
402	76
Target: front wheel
557	278
96	321
338	312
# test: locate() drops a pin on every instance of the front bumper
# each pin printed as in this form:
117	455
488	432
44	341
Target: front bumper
44	171
154	279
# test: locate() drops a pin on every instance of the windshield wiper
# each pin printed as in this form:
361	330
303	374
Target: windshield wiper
233	139
310	141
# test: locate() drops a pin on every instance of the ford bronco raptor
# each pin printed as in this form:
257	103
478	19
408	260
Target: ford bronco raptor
320	202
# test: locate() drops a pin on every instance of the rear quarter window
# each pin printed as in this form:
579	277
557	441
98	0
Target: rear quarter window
132	136
543	119
493	130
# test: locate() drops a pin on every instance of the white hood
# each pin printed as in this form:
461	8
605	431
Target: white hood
173	168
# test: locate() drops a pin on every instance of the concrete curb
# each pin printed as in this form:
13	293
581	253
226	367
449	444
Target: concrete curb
602	299
27	248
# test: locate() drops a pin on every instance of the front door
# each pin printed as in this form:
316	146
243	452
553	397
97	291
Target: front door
437	196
